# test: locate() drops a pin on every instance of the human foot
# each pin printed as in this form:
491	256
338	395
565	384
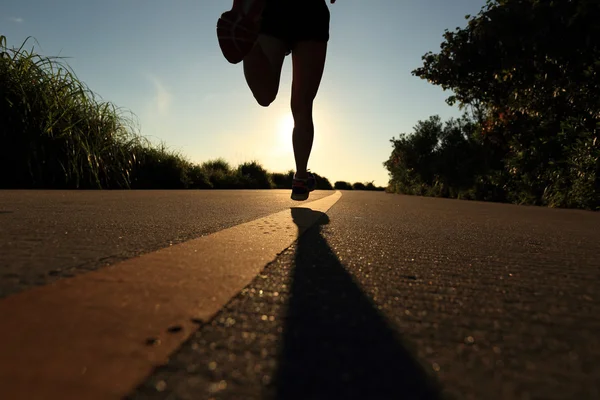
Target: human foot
301	187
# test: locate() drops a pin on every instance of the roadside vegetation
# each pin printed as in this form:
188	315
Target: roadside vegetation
56	133
341	185
527	75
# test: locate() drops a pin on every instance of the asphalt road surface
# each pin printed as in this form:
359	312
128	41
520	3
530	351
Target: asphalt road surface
385	297
46	235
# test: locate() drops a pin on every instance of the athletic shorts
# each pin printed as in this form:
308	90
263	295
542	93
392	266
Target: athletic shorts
294	21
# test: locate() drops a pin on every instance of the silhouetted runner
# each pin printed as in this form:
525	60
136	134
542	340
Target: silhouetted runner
261	33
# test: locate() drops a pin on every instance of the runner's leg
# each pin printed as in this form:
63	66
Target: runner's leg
262	68
252	32
308	62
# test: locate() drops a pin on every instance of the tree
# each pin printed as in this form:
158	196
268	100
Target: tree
522	55
531	71
437	157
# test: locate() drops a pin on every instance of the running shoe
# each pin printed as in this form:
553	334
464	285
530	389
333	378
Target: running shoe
237	29
302	187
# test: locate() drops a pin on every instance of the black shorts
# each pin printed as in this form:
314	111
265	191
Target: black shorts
296	20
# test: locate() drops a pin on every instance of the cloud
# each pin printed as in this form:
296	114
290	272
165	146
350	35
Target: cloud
18	20
162	97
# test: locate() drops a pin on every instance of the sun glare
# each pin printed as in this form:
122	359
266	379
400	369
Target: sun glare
286	125
284	132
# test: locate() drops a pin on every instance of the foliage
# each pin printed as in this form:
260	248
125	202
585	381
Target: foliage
282	180
198	179
322	182
254	176
528	74
55	131
341	185
157	168
437	158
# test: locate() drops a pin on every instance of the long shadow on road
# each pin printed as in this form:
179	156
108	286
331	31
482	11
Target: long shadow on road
336	345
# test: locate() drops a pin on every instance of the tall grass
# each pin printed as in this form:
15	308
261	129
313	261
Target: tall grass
55	131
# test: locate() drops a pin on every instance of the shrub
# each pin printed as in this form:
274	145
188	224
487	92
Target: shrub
341	185
254	176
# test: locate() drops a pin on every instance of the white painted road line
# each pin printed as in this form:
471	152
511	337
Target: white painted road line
87	337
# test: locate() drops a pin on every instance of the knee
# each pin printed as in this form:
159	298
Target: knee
301	107
265	99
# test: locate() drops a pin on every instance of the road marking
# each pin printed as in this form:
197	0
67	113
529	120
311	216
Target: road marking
99	335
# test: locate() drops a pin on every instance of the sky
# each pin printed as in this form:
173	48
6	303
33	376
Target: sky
161	60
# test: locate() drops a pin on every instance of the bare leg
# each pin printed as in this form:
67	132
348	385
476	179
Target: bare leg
262	68
308	60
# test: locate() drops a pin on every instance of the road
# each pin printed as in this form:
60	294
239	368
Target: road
45	235
383	297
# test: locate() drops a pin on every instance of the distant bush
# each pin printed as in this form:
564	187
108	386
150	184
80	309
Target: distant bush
217	165
156	168
341	185
371	186
220	174
254	176
322	182
282	180
198	178
359	186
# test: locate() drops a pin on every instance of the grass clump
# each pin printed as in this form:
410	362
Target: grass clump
158	168
56	132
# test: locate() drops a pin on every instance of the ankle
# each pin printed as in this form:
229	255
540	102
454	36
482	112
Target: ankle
301	175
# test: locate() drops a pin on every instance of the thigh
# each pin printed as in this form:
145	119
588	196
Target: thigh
308	62
309	21
275	50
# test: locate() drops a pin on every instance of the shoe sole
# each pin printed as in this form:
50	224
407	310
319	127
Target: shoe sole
236	36
299	197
